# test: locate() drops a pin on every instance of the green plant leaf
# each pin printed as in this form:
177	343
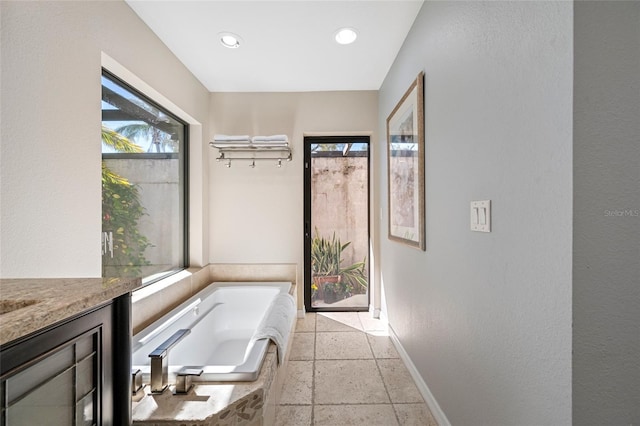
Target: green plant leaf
118	142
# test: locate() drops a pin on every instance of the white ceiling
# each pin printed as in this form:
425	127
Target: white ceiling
288	46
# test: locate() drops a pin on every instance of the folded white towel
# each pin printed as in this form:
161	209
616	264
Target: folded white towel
268	144
277	322
227	138
236	144
270	139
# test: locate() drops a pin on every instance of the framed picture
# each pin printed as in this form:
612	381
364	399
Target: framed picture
405	167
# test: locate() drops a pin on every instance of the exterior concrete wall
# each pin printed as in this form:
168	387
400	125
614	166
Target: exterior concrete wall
340	203
159	191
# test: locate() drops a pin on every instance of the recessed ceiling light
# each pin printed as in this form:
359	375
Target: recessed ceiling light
346	35
230	40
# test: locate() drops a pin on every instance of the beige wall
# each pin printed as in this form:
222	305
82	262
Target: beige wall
256	214
52	53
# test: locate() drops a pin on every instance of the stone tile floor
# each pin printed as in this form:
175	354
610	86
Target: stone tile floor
344	371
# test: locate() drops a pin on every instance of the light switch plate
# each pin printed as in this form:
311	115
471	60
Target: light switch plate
481	216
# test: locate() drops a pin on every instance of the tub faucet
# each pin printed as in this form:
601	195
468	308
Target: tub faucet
160	367
184	379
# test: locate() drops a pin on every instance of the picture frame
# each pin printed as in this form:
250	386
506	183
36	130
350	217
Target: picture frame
405	167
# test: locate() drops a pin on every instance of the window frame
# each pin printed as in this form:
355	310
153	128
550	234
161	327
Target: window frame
309	155
182	155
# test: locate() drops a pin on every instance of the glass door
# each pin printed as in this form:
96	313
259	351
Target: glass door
336	223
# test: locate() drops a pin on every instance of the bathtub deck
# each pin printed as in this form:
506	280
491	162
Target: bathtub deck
210	403
218	403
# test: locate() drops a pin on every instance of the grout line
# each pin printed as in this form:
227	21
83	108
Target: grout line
313	370
395	413
347	359
295	405
346	404
354	403
373	357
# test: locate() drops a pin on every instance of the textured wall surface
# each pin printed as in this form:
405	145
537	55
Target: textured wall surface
340	189
486	318
606	241
50	105
159	191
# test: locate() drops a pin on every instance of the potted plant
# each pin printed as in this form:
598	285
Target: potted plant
332	281
325	263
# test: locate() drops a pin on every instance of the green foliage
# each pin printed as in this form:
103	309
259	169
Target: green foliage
324	147
160	141
118	142
326	260
326	255
121	211
354	277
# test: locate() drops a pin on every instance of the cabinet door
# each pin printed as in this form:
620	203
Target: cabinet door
57	377
59	389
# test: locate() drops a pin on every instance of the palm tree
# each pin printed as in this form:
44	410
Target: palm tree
159	140
118	141
121	211
324	147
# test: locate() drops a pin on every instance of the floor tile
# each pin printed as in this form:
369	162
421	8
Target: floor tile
398	381
302	347
306	324
354	415
297	385
338	321
331	365
414	415
382	346
348	382
293	415
342	345
369	323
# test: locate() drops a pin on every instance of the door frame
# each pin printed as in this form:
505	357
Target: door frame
306	164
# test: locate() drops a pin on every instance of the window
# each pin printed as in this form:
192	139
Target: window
144	184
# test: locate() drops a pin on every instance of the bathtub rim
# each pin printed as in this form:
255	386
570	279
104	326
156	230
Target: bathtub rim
249	370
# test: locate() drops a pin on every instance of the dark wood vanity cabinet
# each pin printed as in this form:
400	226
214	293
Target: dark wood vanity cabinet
75	372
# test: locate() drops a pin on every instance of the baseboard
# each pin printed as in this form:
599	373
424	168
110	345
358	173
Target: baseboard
433	405
301	313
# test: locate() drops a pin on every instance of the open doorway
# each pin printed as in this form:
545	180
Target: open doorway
336	234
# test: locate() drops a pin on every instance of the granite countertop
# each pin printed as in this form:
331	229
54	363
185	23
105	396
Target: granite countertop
28	305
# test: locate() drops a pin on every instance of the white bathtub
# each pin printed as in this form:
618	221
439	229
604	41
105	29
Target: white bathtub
222	318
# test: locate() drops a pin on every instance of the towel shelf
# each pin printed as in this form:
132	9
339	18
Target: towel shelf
252	152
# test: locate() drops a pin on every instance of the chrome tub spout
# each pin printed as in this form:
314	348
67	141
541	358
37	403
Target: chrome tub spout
160	361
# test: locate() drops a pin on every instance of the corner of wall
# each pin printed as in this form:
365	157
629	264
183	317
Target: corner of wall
428	397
